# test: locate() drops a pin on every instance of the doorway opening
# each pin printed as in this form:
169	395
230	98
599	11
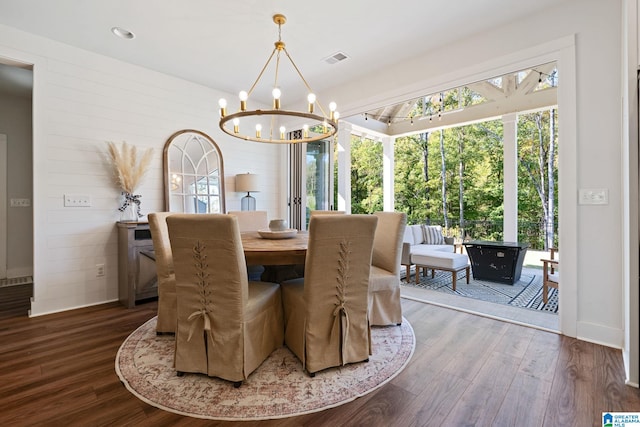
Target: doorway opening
479	160
16	188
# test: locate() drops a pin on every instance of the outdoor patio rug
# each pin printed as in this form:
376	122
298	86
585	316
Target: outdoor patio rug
526	293
279	388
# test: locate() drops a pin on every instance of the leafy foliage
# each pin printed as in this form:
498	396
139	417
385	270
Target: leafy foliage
471	163
366	176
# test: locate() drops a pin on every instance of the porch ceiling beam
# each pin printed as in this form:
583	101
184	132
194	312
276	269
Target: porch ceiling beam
529	83
487	90
404	109
382	113
370	124
509	85
477	113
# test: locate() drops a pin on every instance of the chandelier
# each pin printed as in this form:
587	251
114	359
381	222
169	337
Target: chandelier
268	124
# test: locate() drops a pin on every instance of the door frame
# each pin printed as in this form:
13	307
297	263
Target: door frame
3	206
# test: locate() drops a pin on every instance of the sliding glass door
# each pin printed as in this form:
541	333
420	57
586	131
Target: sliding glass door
311	180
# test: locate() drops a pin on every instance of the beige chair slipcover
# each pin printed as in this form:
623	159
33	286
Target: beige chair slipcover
251	220
164	268
326	320
227	326
326	212
384	282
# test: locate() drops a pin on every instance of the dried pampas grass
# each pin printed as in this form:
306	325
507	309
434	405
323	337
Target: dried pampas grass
128	165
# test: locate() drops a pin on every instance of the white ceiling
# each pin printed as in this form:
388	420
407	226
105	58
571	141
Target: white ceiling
224	44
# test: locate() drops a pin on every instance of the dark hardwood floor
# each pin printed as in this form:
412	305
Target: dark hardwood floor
466	371
15	300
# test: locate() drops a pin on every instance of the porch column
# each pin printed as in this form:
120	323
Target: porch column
510	140
344	166
388	173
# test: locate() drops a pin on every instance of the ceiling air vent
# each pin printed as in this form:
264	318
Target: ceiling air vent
336	57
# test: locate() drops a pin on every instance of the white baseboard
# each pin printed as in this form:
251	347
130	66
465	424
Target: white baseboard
602	335
12	273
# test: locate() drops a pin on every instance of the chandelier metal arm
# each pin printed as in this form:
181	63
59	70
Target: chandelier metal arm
266	64
303	79
277	72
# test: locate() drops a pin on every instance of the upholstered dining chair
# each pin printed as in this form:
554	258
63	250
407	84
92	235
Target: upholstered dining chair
326	322
227	326
251	220
550	273
384	281
326	212
166	322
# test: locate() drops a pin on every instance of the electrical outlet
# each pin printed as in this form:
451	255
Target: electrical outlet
77	200
99	270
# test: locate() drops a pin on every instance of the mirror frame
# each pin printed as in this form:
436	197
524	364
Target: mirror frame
166	173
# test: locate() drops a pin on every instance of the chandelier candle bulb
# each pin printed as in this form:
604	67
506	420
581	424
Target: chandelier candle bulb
223	107
236	125
282	131
332	110
276	98
258	131
312	100
305	131
243	100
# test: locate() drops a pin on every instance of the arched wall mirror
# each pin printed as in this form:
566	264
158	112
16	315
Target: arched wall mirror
193	173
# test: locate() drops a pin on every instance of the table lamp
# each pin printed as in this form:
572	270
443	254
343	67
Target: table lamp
247	182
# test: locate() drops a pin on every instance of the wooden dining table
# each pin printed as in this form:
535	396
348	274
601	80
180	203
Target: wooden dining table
283	259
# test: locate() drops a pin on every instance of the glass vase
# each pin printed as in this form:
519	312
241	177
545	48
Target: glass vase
129	208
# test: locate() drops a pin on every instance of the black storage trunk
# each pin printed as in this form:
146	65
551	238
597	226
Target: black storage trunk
496	261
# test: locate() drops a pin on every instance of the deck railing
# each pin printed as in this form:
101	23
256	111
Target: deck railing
530	232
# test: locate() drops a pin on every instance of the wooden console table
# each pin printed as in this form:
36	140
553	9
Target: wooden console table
137	278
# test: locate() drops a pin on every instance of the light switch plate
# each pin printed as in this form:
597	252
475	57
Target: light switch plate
77	200
20	203
593	196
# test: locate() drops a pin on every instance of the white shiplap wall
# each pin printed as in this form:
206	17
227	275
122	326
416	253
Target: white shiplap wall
162	104
82	100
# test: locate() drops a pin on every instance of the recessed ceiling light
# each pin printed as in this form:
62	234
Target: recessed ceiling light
123	33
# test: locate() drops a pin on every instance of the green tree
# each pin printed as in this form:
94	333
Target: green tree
366	176
409	183
537	193
455	177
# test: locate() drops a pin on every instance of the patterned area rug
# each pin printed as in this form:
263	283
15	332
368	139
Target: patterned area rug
279	388
526	293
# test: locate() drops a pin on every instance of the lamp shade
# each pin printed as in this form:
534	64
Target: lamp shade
247	182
